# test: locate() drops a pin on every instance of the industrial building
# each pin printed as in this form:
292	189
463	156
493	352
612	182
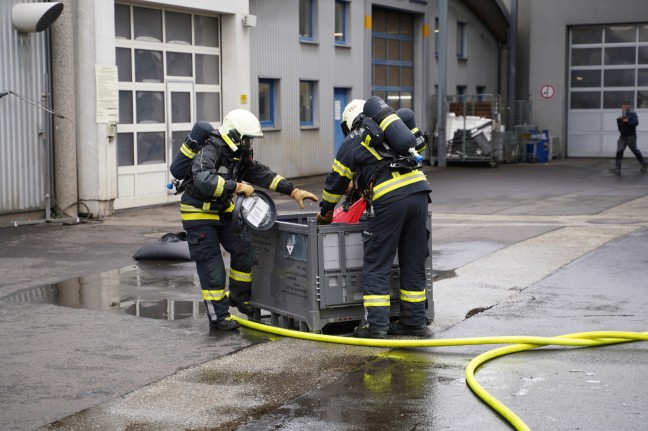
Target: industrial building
98	102
578	61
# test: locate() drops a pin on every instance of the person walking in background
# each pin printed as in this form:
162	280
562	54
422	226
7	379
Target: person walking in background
627	124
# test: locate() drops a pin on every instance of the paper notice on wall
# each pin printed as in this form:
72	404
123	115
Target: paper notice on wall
107	94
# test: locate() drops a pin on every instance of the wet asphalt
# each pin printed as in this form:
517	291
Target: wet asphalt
519	249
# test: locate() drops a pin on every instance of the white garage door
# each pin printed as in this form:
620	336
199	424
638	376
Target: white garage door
169	67
608	65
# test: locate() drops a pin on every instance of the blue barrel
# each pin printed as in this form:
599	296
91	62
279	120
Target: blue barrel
538	151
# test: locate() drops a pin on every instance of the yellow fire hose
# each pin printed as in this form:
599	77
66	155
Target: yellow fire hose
518	344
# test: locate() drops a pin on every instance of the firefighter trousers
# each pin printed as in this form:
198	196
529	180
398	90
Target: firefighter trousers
399	226
204	248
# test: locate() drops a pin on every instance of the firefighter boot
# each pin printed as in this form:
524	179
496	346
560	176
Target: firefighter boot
224	325
366	332
397	328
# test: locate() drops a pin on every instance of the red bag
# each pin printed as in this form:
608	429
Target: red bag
353	215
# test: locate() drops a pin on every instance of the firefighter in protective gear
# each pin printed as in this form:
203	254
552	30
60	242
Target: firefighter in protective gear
399	198
212	178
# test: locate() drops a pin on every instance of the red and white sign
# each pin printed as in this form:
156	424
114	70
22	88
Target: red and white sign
547	91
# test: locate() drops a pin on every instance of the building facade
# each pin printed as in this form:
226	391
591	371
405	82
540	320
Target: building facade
129	78
579	60
310	58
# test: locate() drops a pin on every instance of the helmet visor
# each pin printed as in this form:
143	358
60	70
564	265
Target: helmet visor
247	142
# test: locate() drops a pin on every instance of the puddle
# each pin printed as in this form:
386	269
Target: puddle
156	290
135	290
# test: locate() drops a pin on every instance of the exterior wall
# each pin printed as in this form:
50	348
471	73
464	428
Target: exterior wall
96	154
524	50
548	47
97	161
290	149
24	155
481	66
84	38
279	55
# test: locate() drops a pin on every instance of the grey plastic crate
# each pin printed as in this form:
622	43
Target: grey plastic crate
307	275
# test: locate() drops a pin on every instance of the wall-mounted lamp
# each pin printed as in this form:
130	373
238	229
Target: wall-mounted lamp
35	17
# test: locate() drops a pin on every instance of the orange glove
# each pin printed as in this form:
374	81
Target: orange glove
299	195
325	219
245	189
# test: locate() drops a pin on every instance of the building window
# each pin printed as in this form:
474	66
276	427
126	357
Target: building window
393	57
461	40
341	10
481	93
125	149
267	102
306	103
306	20
607	66
461	93
147	24
122	22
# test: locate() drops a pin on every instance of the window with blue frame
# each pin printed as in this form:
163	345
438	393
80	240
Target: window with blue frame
306	100
341	12
267	102
306	20
393	57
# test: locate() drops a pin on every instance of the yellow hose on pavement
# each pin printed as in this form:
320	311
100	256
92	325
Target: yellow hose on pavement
517	344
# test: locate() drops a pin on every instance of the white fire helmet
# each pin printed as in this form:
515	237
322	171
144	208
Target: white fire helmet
240	124
351	112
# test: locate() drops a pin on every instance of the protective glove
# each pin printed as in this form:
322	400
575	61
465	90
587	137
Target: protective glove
299	195
245	189
325	219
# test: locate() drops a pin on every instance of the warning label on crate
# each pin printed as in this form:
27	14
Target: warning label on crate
293	282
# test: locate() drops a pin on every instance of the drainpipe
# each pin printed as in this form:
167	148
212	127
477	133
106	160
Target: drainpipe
512	63
441	97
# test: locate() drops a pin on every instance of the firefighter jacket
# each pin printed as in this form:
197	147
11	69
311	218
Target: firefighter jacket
210	177
371	173
628	128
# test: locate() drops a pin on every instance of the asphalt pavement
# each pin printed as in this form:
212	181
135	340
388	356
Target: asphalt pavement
89	339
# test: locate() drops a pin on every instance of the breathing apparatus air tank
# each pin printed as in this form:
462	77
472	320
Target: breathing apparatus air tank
407	115
398	136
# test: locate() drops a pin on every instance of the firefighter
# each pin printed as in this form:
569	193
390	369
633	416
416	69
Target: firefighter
398	197
213	165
